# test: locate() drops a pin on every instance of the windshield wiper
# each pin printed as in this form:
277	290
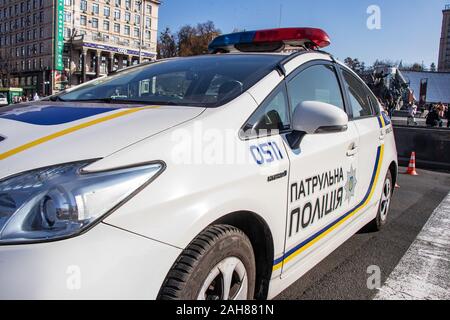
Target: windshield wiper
106	100
124	101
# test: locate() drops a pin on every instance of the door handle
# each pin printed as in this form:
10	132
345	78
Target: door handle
382	135
353	150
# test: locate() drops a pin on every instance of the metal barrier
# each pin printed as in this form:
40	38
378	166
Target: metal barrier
432	146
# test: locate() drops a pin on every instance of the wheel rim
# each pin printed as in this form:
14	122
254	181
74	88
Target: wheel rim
385	200
226	281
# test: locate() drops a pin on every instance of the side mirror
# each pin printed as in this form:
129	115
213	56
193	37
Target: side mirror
314	117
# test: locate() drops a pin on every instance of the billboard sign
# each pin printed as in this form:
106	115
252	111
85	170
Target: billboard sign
59	35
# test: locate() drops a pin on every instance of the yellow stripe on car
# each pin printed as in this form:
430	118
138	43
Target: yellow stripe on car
70	130
293	255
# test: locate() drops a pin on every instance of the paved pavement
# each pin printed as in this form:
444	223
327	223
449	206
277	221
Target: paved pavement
343	275
423	272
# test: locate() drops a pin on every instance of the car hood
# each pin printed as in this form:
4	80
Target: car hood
42	134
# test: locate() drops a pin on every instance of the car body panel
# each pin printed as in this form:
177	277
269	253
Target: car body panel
91	137
104	263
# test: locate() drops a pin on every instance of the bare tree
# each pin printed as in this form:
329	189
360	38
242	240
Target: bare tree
194	41
167	46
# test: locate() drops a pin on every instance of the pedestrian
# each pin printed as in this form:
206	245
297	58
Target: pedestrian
448	116
36	97
433	119
441	110
412	111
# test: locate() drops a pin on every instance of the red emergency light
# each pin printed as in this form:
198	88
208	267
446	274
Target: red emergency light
270	40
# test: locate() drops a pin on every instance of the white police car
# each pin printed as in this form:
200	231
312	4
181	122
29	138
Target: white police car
224	176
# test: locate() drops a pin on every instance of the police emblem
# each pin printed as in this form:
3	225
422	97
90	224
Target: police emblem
350	186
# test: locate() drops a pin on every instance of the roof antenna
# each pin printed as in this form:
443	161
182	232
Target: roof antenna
281	16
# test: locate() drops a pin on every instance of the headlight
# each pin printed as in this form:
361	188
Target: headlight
61	201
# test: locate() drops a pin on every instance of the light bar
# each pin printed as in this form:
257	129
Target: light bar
270	40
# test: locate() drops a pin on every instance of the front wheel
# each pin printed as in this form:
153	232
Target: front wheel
385	203
218	265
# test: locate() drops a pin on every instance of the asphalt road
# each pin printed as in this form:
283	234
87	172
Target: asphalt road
343	275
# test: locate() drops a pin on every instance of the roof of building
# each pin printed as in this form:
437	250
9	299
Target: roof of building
438	85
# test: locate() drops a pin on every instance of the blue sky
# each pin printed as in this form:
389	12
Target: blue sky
410	29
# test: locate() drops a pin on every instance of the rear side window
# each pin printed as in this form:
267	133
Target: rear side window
374	102
359	96
316	83
272	117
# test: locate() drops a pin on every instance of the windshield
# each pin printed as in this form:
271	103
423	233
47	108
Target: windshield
206	81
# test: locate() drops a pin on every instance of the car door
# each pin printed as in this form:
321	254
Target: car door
323	171
365	114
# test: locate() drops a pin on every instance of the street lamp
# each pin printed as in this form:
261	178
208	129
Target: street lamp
141	31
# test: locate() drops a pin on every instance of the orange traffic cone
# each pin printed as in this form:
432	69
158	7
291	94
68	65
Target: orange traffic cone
412	166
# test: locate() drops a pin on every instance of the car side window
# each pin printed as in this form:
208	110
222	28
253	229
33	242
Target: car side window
359	96
271	117
316	83
374	102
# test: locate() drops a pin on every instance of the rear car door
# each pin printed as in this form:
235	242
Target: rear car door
322	170
366	116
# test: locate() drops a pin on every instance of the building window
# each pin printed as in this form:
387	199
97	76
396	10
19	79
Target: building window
83	20
136	32
67	16
41	16
137	5
41	48
117	14
68	3
127	30
148	22
137	19
148	35
83	5
127	16
106	11
95	8
118	3
95	23
106	25
116	27
67	33
128	4
149	8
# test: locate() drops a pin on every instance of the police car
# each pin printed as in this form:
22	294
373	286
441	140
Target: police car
225	176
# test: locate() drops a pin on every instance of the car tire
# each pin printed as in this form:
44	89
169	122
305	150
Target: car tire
218	265
383	209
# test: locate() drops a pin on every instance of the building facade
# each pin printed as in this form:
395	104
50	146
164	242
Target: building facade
444	50
49	45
